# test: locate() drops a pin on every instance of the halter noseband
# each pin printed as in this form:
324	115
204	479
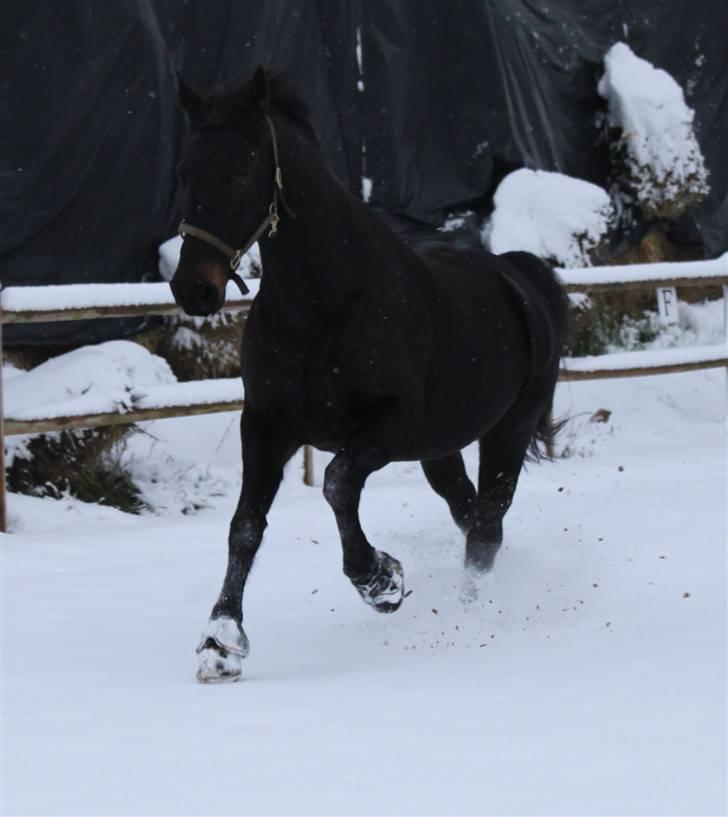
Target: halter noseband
271	220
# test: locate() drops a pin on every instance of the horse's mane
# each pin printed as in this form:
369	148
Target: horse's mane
263	90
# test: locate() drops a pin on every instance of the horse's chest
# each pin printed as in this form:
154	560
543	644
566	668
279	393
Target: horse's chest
303	389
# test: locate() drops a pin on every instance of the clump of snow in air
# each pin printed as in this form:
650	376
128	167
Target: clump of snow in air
556	217
657	145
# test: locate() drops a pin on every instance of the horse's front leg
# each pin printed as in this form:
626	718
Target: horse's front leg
224	643
376	575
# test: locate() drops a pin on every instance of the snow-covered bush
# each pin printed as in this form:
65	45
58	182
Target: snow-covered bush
656	152
556	217
201	348
86	462
89	380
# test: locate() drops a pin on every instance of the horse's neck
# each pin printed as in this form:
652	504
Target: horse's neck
318	258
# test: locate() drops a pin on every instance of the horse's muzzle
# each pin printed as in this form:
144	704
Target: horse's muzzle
200	294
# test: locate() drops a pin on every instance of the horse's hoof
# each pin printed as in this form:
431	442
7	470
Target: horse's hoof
220	653
384	589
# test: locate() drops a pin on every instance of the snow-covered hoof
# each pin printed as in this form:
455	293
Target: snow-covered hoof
221	651
384	589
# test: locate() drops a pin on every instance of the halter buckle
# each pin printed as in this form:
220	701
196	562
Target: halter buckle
274	219
235	260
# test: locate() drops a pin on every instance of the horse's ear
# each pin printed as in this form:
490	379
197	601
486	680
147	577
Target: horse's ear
260	87
190	101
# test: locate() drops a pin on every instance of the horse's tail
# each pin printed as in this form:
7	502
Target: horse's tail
543	442
549	318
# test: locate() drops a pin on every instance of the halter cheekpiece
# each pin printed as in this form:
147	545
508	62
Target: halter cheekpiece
271	220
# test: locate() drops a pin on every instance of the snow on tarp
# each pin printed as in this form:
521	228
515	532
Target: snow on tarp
553	216
221	390
88	296
96	379
650	359
664	163
666	270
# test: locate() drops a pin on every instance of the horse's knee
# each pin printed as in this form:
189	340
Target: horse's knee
246	529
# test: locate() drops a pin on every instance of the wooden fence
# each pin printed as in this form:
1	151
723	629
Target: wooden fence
84	301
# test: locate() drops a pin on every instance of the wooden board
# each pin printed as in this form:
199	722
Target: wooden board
13	427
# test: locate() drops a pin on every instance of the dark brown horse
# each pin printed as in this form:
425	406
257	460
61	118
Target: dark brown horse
357	344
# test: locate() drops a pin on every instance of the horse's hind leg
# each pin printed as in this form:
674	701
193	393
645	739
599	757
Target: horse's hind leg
448	478
502	452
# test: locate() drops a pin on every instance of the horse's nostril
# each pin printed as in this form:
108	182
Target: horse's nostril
208	296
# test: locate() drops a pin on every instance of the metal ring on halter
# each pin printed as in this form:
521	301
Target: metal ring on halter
274	218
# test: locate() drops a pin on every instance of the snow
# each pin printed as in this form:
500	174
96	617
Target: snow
90	380
220	390
647	359
664	270
648	107
82	296
553	216
589	676
169	253
699	324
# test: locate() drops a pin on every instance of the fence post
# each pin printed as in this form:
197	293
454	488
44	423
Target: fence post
308	465
3	507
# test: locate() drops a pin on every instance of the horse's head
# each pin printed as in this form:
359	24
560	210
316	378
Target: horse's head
227	174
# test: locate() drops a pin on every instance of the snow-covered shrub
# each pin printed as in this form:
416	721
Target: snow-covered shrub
89	380
556	217
655	149
84	462
201	348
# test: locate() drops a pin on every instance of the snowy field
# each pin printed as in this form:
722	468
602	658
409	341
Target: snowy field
588	678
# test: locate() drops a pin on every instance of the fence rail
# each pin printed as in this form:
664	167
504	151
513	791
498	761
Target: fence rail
85	301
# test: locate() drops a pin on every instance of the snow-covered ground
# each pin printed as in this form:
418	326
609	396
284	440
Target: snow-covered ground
588	678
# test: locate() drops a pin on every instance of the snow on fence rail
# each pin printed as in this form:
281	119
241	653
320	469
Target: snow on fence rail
639	276
84	301
71	302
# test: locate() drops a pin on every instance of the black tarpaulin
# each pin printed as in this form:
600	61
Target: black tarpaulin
450	97
88	139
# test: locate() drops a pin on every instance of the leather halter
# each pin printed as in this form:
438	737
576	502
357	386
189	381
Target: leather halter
271	220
